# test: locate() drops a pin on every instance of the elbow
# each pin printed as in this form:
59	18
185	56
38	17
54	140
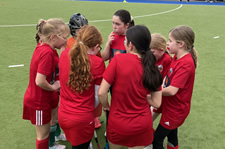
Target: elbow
157	105
104	58
99	95
39	83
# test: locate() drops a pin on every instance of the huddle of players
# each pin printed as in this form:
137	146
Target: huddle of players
157	81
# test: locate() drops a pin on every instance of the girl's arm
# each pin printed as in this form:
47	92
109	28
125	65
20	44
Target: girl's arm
106	51
169	91
43	83
103	94
96	95
155	99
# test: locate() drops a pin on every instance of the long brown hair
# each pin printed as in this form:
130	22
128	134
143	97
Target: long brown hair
80	75
186	34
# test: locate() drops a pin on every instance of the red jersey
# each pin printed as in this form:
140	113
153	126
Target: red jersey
42	62
55	76
163	64
75	106
129	111
176	108
117	46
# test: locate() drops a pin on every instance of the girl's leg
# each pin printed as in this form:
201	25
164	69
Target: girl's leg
114	146
159	137
53	127
42	136
136	147
82	146
173	140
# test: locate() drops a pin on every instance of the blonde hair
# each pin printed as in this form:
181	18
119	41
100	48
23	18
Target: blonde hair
158	42
185	34
80	75
45	28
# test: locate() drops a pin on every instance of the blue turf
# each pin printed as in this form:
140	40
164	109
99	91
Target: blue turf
164	2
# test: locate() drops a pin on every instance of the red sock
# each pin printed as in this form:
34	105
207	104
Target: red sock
169	147
42	144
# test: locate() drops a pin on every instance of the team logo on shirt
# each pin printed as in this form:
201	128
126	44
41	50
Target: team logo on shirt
171	71
167	82
160	67
115	52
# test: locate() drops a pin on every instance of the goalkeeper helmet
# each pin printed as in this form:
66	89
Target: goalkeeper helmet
76	22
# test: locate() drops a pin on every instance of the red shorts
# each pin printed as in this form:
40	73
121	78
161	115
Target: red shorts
76	132
37	117
158	110
143	139
98	110
55	100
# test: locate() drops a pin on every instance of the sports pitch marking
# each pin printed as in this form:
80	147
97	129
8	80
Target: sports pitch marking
105	20
11	66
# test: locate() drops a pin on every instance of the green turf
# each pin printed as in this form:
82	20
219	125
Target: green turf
203	129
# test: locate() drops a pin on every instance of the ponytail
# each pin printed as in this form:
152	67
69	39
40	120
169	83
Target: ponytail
140	37
80	76
152	78
39	30
194	55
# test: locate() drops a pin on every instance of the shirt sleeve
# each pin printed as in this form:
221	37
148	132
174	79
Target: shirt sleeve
110	72
181	76
45	64
100	68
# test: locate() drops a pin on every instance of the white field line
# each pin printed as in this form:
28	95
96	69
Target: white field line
21	65
148	15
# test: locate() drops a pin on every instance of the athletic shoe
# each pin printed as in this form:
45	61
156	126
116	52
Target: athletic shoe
57	146
148	147
61	137
97	123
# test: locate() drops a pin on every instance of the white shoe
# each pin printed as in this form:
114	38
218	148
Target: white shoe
57	146
148	147
61	137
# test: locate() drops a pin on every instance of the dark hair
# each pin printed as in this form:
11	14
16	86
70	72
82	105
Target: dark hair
140	37
125	17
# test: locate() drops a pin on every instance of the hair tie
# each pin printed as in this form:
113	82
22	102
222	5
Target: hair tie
131	19
81	43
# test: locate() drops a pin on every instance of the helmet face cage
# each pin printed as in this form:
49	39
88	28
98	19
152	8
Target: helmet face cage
76	22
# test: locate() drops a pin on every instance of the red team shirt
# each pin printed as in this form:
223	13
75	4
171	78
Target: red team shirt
163	65
79	107
117	46
130	114
176	108
55	77
36	99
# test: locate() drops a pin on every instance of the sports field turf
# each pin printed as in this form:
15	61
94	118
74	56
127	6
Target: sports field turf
205	126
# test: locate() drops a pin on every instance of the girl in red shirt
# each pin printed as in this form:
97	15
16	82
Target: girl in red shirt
122	20
177	87
38	96
163	60
134	76
80	73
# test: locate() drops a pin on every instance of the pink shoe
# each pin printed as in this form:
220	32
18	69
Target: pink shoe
97	123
